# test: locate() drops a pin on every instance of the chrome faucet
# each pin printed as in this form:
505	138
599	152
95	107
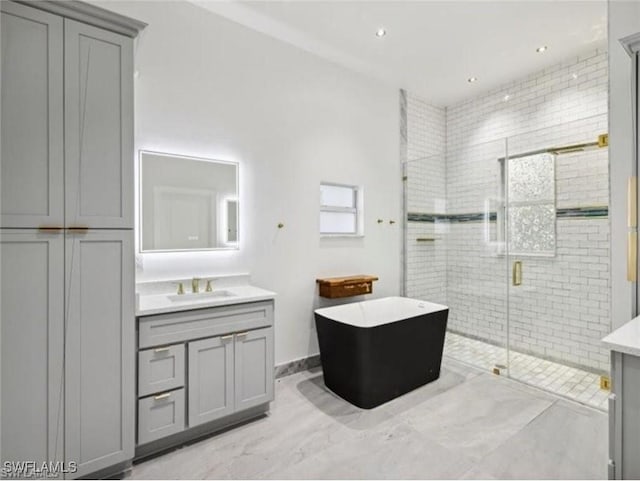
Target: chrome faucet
195	285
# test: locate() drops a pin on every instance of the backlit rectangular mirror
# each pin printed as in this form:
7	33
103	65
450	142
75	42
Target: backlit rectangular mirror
187	203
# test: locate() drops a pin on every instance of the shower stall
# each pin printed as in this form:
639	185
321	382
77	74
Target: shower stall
513	236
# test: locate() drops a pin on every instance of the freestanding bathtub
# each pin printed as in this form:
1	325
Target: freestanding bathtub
374	351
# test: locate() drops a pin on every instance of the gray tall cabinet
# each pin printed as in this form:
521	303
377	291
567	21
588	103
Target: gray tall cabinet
67	335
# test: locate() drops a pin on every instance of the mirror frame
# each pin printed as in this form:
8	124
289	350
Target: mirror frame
227	246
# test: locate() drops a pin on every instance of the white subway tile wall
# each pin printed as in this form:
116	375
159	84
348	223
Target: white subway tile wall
561	310
426	261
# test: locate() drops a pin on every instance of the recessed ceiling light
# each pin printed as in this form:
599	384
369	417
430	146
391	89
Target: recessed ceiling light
381	32
471	79
541	49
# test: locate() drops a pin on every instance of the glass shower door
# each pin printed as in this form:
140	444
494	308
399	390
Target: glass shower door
477	295
557	250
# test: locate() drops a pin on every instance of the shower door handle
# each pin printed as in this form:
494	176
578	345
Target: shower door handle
516	274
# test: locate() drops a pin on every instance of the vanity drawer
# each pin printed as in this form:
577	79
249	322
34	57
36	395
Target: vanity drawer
171	328
160	369
160	416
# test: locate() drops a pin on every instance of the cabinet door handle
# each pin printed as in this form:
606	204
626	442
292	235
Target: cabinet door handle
162	396
632	202
226	338
632	226
49	229
161	350
78	229
242	334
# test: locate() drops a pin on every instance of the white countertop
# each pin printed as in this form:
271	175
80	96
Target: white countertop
625	339
155	297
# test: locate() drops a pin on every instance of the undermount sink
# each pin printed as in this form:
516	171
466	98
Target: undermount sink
200	296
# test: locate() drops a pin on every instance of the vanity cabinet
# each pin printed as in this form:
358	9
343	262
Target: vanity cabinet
624	416
624	401
228	371
66	232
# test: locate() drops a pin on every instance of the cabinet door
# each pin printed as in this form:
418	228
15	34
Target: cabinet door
254	368
210	379
32	314
98	127
100	349
31	182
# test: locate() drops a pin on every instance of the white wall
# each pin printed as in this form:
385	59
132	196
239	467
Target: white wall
624	20
208	87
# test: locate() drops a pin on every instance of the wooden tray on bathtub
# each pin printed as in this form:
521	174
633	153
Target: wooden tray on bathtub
335	287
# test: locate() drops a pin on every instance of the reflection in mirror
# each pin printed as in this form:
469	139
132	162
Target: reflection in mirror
232	221
187	203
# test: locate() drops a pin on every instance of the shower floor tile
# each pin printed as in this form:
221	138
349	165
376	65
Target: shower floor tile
570	382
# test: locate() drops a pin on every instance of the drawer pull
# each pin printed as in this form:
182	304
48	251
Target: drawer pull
162	396
226	338
242	334
161	350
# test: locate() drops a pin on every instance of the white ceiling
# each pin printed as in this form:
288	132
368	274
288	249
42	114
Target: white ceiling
431	47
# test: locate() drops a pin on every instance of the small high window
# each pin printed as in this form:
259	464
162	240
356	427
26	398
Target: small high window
340	209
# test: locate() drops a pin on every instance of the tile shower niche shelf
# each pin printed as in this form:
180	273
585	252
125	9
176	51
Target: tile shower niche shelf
336	287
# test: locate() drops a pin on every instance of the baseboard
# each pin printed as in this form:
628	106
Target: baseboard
292	367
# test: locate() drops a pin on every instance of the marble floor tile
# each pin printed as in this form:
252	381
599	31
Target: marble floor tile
565	442
400	454
477	416
466	425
